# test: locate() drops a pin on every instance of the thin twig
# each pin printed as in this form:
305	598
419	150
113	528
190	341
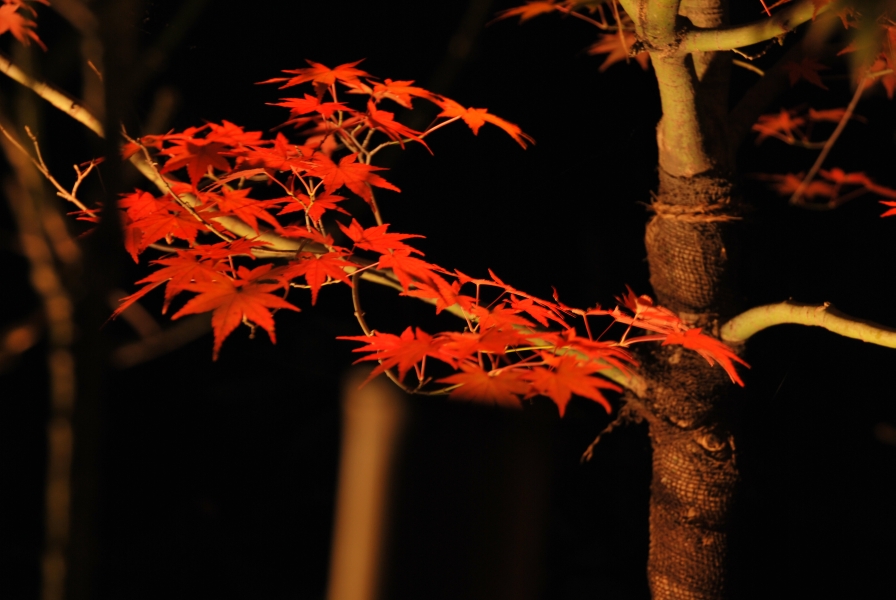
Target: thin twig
42	168
797	198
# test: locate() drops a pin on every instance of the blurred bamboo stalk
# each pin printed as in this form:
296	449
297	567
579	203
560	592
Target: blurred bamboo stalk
373	417
57	306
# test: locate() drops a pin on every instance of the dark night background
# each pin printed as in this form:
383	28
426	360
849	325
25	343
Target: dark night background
217	479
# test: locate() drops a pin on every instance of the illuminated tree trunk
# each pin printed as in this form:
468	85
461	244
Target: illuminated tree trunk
691	240
687	403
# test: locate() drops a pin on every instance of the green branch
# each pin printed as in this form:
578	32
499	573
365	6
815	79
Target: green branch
729	38
743	326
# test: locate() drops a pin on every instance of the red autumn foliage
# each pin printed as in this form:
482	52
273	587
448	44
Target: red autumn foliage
514	345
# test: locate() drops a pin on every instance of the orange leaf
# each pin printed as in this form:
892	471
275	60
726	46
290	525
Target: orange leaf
502	387
567	376
617	50
806	69
322	76
709	348
477	117
317	268
356	176
531	9
376	239
384	121
233	301
783	124
20	27
401	92
198	156
406	351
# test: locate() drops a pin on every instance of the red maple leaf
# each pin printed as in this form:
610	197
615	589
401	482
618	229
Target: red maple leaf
401	92
139	204
806	69
441	291
788	183
461	346
173	222
317	268
709	348
234	301
316	207
531	9
281	156
499	316
322	76
409	269
309	104
11	20
645	314
782	126
384	121
617	49
356	176
405	351
569	375
539	310
502	386
376	239
179	272
477	117
198	156
239	204
233	135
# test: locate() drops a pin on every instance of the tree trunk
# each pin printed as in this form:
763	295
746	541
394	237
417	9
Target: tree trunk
691	244
687	405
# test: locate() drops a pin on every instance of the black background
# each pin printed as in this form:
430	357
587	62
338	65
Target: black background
218	478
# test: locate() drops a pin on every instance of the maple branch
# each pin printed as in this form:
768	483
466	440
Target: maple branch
738	36
797	198
775	81
746	324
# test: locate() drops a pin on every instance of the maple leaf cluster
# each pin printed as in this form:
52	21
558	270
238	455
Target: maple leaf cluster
228	191
794	126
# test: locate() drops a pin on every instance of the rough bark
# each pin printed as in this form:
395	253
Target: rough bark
691	243
694	479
